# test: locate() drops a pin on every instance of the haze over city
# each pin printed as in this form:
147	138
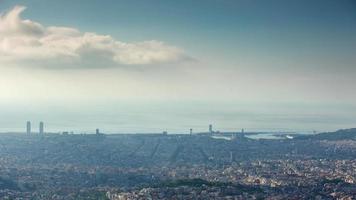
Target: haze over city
168	100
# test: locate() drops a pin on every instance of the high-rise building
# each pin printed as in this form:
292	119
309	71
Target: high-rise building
97	131
210	128
191	131
28	127
41	131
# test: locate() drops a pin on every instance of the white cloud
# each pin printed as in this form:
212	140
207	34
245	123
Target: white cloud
26	41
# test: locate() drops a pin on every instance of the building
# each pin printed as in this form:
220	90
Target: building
41	128
28	127
210	128
191	131
97	131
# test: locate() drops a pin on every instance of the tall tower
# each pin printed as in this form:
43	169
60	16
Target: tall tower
28	127
191	131
41	131
210	128
97	131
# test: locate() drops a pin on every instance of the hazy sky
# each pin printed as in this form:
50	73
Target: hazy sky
223	62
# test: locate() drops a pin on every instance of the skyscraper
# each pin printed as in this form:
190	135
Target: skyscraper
210	128
191	131
28	127
97	131
41	131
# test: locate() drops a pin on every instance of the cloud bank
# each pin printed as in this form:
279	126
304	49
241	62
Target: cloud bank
26	41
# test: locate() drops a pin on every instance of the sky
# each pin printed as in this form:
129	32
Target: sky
149	66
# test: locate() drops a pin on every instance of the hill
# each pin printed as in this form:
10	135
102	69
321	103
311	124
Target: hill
343	134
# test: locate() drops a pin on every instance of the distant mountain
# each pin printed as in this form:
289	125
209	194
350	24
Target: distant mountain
343	134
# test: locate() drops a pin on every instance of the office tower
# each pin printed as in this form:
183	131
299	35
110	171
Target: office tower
41	131
210	128
97	131
242	131
191	131
28	127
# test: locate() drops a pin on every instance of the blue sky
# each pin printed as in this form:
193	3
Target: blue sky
241	56
222	29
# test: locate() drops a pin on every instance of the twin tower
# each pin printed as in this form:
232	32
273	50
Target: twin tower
28	128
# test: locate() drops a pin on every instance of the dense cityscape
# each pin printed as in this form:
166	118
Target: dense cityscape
177	100
211	165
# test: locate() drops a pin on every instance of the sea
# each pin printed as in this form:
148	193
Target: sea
176	117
